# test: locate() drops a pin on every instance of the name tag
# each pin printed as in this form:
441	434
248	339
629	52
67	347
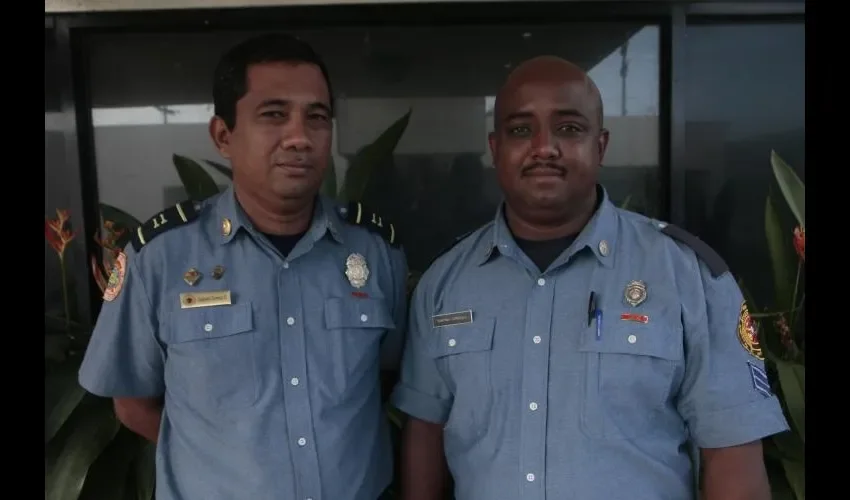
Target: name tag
449	319
204	299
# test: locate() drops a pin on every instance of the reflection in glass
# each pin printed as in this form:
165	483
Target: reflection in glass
745	95
151	96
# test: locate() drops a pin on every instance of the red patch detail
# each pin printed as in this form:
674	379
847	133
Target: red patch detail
361	295
640	318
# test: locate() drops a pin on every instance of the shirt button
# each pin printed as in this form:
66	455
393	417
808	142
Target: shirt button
208	327
294	381
529	477
364	318
536	339
286	265
533	406
290	321
452	342
302	441
632	339
541	282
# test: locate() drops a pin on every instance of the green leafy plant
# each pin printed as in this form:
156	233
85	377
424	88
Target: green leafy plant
781	330
88	454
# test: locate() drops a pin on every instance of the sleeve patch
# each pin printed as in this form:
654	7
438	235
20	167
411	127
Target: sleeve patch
116	278
359	215
760	381
178	215
712	259
748	333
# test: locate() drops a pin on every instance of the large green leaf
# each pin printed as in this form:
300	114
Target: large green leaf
795	474
119	217
792	187
93	428
792	380
109	476
144	470
198	183
371	156
222	169
779	257
62	394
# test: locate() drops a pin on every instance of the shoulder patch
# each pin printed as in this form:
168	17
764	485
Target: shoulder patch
179	214
712	259
359	215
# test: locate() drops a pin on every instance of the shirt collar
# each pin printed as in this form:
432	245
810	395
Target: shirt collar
231	218
599	234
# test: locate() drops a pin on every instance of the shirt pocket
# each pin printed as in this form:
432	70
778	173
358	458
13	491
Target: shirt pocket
463	354
629	372
354	329
211	356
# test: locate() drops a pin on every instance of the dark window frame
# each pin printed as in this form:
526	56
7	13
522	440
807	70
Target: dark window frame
673	18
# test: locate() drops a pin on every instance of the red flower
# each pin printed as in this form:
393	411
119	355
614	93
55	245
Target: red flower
57	236
800	242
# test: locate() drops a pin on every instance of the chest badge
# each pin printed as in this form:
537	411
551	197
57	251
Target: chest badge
218	272
191	276
635	293
356	270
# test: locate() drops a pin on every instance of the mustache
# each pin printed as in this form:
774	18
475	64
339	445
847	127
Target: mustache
538	165
296	159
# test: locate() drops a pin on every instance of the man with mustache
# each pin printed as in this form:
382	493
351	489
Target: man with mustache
245	334
573	350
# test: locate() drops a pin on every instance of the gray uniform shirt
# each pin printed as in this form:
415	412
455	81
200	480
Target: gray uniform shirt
540	398
273	393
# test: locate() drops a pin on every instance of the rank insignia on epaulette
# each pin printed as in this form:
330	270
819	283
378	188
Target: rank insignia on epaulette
356	213
748	332
169	218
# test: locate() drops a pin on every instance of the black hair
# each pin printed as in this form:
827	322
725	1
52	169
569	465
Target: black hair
230	80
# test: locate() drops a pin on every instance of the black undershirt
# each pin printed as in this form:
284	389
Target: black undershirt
543	253
284	243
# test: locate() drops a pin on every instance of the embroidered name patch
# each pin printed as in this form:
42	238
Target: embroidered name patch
449	319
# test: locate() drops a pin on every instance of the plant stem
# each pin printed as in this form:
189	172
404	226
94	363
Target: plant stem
65	296
794	297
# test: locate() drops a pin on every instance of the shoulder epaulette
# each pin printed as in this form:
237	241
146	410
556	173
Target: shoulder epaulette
179	214
451	245
712	259
359	215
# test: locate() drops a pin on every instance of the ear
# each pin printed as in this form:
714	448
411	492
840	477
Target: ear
220	135
492	140
602	144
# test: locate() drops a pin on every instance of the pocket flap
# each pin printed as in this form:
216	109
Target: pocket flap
655	340
468	337
203	323
343	312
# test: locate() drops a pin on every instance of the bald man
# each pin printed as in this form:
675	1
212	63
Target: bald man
571	350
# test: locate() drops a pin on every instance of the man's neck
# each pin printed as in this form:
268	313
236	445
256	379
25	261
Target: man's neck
280	217
551	225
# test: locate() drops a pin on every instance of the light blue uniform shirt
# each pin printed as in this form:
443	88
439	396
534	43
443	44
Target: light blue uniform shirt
537	404
277	395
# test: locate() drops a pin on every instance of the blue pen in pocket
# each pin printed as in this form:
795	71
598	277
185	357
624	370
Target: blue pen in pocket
598	314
